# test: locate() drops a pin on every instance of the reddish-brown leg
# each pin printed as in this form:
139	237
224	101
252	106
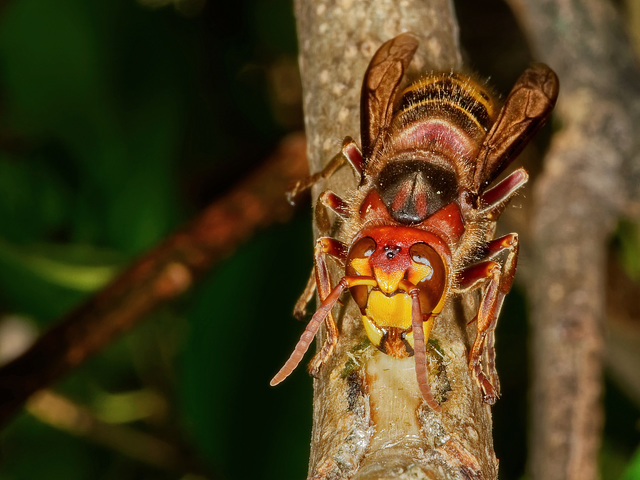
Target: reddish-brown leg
300	308
352	153
338	250
494	200
348	153
329	200
498	278
339	206
334	248
320	279
335	203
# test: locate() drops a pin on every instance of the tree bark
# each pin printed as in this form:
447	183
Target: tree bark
369	419
591	179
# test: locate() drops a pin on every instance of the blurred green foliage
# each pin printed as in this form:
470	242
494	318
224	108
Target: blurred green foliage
117	123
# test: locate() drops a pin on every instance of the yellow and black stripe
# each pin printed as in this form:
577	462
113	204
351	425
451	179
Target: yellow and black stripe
454	97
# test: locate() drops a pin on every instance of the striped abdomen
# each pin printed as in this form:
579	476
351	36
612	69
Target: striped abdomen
436	130
445	112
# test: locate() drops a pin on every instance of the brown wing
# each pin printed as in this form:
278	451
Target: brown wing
525	111
381	82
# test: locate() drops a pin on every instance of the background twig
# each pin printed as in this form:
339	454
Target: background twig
162	274
591	179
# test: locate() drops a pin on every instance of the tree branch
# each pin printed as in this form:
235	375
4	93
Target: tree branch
62	413
157	277
590	180
369	420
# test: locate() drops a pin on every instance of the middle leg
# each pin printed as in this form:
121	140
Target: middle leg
498	278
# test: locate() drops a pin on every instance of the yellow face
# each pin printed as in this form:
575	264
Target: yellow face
391	313
395	265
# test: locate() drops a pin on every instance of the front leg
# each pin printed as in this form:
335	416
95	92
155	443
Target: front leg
498	278
338	250
330	200
348	153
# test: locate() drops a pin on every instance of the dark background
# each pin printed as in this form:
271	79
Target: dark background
119	120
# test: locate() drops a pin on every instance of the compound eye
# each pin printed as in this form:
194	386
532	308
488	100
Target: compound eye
363	248
358	264
420	253
427	271
358	259
424	261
